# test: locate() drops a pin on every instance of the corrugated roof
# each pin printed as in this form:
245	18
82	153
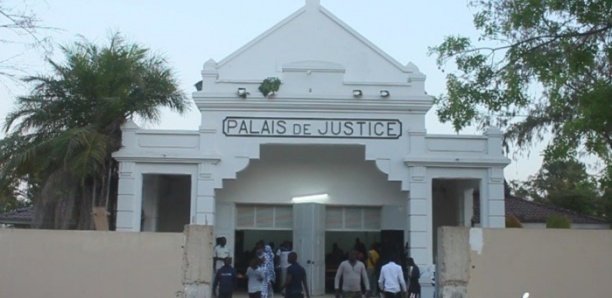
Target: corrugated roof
17	216
533	212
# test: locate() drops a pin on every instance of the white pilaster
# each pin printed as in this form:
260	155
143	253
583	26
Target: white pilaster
419	218
128	199
205	196
495	197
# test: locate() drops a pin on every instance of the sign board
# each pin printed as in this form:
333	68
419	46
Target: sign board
312	127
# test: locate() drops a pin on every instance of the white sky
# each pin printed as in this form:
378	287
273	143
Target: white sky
189	32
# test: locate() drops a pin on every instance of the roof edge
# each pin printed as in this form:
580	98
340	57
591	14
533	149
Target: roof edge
367	42
262	36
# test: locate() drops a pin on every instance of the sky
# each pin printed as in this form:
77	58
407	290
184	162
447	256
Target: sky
189	32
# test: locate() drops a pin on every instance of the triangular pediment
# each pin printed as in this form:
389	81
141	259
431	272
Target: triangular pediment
314	54
313	33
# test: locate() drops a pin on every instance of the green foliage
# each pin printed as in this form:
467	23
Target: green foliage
70	123
538	67
558	222
513	222
566	184
269	85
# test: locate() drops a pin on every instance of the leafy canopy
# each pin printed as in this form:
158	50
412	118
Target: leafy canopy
566	184
69	125
538	67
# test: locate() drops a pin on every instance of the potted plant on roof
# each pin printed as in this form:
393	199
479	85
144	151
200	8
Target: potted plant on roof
269	86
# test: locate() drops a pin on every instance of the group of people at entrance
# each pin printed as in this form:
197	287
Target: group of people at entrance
383	270
261	273
353	279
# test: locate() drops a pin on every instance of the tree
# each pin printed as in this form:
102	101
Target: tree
566	184
19	27
61	136
538	67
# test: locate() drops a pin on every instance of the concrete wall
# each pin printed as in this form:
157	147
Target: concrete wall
60	264
509	262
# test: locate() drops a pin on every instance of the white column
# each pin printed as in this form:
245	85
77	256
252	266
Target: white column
205	196
128	198
419	224
468	206
495	197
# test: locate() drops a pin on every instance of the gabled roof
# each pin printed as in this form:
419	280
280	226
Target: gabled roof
529	211
532	212
312	33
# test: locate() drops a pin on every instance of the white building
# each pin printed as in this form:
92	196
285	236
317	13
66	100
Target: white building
348	121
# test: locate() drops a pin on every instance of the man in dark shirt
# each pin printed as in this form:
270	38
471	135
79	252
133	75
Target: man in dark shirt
296	279
225	278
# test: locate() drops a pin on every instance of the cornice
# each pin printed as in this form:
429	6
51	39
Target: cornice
165	158
462	162
339	104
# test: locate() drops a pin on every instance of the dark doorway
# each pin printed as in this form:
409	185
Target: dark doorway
166	202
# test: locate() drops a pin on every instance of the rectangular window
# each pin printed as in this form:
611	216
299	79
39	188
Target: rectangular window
264	217
352	218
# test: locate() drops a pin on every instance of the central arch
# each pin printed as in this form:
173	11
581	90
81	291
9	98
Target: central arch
258	205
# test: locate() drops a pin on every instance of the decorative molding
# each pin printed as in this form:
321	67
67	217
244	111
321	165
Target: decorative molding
417	178
208	130
126	175
205	176
220	102
451	162
313	66
416	133
378	84
163	158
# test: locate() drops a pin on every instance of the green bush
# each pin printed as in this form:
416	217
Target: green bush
558	222
269	85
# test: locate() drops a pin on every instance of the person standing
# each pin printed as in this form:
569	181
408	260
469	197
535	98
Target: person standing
283	260
270	276
295	286
221	253
255	274
361	248
225	280
371	265
352	272
391	280
414	287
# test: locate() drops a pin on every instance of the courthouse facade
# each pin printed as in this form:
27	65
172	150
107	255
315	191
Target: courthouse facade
339	152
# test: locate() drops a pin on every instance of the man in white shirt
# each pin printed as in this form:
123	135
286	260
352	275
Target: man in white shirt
391	280
221	252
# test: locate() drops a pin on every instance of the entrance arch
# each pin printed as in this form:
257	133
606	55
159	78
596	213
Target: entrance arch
264	190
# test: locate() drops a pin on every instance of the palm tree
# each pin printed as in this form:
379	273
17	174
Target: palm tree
61	136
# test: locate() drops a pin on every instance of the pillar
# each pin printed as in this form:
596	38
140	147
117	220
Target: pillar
419	224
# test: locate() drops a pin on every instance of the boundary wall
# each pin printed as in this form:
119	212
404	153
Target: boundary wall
63	264
509	262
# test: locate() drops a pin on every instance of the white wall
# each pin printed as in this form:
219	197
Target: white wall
284	172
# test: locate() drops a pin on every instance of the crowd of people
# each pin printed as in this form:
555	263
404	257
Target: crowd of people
360	272
266	269
383	270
